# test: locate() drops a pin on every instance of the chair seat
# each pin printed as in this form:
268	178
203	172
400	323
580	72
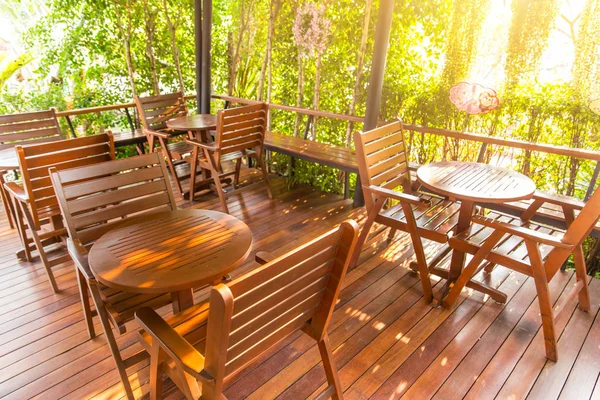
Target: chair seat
190	323
510	250
434	221
122	305
178	149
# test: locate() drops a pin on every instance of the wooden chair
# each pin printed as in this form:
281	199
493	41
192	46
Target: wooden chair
212	341
95	199
240	133
154	113
26	128
35	202
383	167
532	249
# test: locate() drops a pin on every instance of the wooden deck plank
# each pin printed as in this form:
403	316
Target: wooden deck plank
387	342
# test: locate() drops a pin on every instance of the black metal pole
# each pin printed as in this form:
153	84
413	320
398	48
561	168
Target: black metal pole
382	41
198	44
206	58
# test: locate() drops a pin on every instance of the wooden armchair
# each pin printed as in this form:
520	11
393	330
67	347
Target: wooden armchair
534	250
26	128
383	167
95	199
154	113
36	208
213	340
240	133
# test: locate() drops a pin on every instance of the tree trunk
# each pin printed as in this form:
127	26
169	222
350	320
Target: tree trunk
235	59
149	26
126	36
266	64
173	31
300	92
316	96
359	69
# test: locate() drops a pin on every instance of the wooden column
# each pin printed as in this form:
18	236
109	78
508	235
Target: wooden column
205	82
198	45
382	41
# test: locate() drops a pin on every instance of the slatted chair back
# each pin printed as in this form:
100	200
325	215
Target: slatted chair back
257	310
382	157
29	128
240	129
579	229
94	198
155	111
35	160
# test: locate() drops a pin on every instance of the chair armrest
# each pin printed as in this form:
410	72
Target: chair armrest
179	349
17	191
263	257
522	231
157	133
563	201
402	197
79	254
197	143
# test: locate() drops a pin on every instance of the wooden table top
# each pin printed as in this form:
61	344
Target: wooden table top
198	122
9	159
170	251
475	182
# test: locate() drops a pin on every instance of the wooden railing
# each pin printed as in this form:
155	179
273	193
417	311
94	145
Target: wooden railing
472	137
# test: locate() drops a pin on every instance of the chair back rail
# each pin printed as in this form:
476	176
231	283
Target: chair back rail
29	128
35	160
277	299
97	197
240	129
383	158
155	111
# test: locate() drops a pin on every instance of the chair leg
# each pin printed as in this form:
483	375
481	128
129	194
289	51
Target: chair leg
39	246
193	167
329	366
110	338
581	273
85	302
364	233
7	204
419	252
156	365
22	230
169	159
236	176
541	285
220	191
265	174
391	234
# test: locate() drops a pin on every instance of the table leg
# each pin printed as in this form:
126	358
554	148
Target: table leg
458	257
182	300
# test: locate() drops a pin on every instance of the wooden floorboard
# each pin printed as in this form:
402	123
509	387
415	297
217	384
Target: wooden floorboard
388	343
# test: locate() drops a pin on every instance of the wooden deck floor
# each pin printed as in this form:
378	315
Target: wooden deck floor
389	343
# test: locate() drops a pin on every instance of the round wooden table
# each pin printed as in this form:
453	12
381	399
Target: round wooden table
199	124
8	159
471	183
172	251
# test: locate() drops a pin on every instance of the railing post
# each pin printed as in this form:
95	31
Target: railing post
592	185
71	128
482	151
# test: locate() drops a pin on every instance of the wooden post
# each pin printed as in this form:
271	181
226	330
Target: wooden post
382	41
204	105
198	44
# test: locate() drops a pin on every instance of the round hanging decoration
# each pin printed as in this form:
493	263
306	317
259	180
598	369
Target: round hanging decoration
474	98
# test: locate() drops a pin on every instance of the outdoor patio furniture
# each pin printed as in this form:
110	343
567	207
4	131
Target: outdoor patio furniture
36	207
240	133
95	199
155	112
383	166
472	183
534	250
208	344
26	128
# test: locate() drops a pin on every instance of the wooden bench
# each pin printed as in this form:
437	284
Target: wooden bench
332	156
